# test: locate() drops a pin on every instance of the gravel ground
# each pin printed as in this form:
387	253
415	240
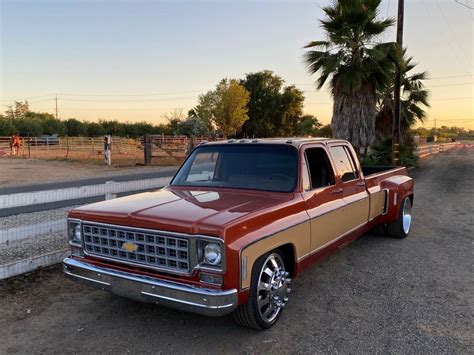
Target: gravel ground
28	248
25	219
379	295
34	246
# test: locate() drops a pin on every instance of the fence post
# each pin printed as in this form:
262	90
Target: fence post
191	145
107	149
147	149
110	195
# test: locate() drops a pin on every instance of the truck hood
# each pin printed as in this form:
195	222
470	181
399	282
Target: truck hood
180	210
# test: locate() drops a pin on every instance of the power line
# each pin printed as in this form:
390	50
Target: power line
444	85
134	100
450	77
460	62
129	95
455	98
452	32
465	5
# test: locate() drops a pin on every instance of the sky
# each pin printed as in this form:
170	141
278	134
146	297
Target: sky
137	60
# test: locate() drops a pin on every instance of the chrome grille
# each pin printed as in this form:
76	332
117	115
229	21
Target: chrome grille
142	247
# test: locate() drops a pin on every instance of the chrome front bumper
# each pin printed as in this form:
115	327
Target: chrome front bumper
142	288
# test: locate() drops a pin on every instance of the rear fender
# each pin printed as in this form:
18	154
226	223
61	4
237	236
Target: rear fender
398	187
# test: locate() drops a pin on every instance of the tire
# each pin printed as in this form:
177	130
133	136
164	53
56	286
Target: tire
401	227
265	304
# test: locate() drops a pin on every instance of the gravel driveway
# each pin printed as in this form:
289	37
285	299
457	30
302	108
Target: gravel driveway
377	295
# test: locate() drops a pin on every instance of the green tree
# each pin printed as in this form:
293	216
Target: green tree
325	131
28	126
230	110
7	128
204	109
413	101
49	124
357	66
274	110
308	125
95	129
75	128
192	126
18	110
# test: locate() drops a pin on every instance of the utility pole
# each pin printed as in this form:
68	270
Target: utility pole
56	106
396	136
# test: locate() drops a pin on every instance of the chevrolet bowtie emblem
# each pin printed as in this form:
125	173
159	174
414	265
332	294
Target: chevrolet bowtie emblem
130	247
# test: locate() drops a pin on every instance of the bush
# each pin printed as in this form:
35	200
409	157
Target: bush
381	154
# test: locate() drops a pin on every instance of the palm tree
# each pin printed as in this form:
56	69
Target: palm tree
356	65
414	99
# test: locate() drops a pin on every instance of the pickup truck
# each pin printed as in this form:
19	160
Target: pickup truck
239	220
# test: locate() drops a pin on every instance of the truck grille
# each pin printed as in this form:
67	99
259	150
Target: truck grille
138	247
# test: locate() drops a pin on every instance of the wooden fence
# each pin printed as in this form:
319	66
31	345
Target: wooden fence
124	150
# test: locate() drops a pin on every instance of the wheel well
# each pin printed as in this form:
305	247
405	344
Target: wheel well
411	197
288	252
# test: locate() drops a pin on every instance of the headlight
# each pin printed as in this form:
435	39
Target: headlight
212	254
75	233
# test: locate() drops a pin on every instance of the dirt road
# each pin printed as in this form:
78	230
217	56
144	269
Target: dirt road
377	295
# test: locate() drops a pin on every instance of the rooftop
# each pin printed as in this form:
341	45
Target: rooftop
296	141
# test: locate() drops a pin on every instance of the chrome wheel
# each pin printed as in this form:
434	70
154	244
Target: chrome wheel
272	288
406	215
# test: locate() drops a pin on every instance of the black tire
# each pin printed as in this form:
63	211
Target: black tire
248	314
397	229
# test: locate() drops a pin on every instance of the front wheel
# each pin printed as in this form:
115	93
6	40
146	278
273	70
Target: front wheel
401	227
269	293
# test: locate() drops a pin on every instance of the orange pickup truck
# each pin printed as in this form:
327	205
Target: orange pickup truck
238	221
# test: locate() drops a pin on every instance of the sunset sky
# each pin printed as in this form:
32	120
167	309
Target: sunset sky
136	60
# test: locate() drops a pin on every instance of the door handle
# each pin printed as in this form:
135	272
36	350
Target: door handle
361	183
337	191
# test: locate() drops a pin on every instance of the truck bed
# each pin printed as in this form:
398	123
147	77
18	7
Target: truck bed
374	175
375	169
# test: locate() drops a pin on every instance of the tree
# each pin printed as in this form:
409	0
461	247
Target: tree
173	120
274	110
230	110
75	128
325	131
95	129
18	110
7	128
204	109
357	67
192	126
308	125
413	100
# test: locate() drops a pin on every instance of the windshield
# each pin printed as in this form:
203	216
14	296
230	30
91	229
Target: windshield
269	167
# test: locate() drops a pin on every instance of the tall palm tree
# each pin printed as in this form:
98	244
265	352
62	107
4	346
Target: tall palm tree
414	100
356	65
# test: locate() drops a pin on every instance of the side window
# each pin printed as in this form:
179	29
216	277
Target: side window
203	167
344	164
319	167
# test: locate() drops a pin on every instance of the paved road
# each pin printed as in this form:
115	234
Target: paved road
377	295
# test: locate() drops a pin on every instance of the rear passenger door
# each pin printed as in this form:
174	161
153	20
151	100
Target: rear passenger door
352	188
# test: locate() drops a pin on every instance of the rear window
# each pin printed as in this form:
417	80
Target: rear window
268	167
344	164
